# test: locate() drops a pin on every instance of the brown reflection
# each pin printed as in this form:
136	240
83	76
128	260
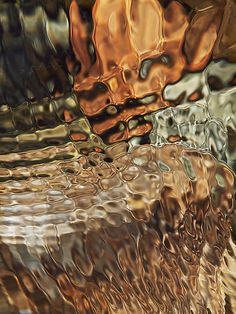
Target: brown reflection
138	47
126	46
147	238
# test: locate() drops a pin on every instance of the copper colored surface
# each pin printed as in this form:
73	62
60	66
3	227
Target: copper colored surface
137	54
121	53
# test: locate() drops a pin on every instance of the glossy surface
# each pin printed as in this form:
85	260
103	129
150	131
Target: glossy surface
117	157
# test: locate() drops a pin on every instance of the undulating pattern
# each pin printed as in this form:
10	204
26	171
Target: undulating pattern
117	156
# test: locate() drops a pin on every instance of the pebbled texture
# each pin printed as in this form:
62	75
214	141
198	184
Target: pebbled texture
90	223
88	236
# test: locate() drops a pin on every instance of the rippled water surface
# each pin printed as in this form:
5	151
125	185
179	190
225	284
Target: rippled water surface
117	156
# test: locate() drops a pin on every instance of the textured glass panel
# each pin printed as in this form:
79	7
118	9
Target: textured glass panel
117	156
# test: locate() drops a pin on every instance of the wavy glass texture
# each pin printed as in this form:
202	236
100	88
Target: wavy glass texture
117	156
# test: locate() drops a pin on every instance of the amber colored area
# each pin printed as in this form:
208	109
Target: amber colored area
142	239
166	40
121	47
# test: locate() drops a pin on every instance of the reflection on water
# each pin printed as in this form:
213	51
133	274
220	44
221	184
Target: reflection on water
117	157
